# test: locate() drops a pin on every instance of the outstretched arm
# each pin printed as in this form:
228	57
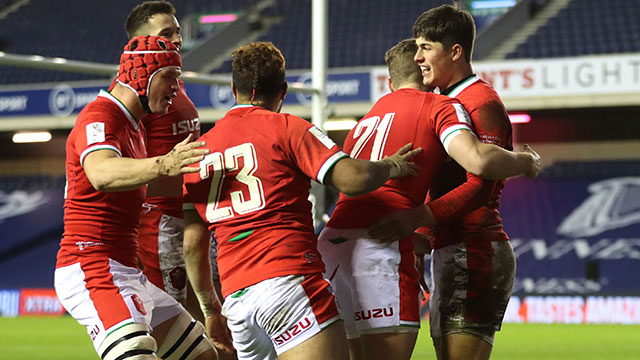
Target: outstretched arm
490	161
356	177
109	172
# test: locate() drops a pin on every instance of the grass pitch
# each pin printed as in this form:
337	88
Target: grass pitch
35	338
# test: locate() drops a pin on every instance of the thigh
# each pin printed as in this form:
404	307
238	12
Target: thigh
282	313
328	344
382	346
160	238
472	283
385	288
336	248
102	295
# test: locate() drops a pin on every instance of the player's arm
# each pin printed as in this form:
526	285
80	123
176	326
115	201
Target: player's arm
490	161
197	239
356	177
107	171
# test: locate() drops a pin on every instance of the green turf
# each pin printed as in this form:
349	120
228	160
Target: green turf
553	342
62	338
51	338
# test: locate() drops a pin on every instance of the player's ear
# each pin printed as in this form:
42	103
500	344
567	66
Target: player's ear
457	52
234	90
285	87
390	85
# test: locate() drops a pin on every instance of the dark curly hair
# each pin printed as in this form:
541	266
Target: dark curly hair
259	67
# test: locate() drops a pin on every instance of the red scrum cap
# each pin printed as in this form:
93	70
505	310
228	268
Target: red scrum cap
142	59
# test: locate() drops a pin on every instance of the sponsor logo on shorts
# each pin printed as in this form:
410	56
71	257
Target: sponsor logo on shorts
293	331
94	332
138	303
373	313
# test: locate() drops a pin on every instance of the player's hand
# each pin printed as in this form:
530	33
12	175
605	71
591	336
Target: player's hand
420	264
535	162
398	224
185	153
218	332
400	160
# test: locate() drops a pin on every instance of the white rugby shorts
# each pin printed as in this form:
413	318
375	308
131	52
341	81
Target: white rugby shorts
275	315
103	295
375	284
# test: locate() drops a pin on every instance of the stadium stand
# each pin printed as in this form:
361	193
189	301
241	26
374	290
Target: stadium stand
31	227
28	31
586	27
359	32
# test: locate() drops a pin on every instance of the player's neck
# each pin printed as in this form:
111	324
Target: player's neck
411	85
129	100
461	71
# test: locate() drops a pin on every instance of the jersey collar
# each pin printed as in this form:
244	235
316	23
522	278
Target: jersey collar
105	94
455	89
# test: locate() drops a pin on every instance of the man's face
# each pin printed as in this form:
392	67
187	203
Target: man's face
435	63
164	87
164	25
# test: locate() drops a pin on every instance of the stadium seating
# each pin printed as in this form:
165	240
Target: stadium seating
93	31
586	27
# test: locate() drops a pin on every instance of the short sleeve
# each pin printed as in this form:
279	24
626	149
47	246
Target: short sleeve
449	120
313	152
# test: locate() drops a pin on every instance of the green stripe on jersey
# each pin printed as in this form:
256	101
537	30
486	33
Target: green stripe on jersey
241	236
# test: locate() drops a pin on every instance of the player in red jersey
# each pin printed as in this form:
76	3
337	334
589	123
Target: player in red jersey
96	276
253	190
161	230
473	265
376	283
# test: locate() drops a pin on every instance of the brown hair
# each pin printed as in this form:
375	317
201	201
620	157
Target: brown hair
402	68
448	25
259	67
140	14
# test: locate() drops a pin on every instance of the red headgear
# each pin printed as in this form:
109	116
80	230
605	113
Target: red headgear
142	59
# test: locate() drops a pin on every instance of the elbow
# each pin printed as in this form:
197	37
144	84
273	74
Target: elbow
482	169
479	166
99	183
357	186
351	177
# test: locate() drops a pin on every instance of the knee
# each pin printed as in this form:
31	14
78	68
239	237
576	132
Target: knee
186	340
132	341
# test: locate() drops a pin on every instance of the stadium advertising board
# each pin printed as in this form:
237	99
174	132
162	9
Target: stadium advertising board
40	302
574	237
574	310
587	79
29	302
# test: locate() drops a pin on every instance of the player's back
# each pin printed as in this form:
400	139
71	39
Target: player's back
405	115
253	191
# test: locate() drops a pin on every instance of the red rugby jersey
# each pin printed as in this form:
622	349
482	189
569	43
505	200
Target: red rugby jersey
428	121
253	191
164	131
101	223
479	217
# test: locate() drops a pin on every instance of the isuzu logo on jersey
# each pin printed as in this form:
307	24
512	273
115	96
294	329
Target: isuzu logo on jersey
613	204
373	313
292	332
186	126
